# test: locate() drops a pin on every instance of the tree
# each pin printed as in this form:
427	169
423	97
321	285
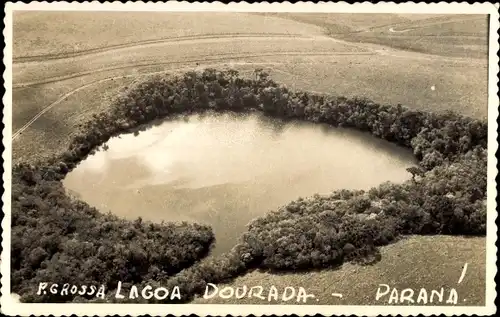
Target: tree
415	171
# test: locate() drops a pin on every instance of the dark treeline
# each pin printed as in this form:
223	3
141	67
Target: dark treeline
56	238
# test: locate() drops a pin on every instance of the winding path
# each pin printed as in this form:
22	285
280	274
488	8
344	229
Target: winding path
104	49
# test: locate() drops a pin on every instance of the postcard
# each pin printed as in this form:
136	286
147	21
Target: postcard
235	159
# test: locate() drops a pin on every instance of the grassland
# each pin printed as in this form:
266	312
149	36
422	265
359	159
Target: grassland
92	30
446	35
66	79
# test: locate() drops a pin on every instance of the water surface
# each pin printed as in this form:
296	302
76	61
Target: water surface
225	170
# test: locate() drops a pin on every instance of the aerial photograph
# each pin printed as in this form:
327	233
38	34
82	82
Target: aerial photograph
257	158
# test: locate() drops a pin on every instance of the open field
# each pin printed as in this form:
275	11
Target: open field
338	23
94	30
60	81
446	35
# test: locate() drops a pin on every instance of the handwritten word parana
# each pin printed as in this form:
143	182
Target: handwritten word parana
411	296
270	294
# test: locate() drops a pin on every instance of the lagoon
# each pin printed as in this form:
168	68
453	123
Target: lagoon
224	170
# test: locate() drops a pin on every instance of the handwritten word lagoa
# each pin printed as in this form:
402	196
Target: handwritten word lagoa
237	159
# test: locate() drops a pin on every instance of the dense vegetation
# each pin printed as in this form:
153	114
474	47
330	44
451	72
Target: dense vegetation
56	238
60	240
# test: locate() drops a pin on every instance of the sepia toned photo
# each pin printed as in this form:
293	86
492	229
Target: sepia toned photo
216	159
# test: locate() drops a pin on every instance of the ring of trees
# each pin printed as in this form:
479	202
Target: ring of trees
59	239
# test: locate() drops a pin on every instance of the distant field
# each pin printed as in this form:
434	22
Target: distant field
342	54
447	35
464	36
345	22
90	30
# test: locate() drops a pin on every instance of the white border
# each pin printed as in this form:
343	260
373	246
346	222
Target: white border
11	308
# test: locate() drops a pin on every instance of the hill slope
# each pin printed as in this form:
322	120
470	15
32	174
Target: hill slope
429	262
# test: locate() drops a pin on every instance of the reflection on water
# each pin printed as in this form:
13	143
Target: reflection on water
225	170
